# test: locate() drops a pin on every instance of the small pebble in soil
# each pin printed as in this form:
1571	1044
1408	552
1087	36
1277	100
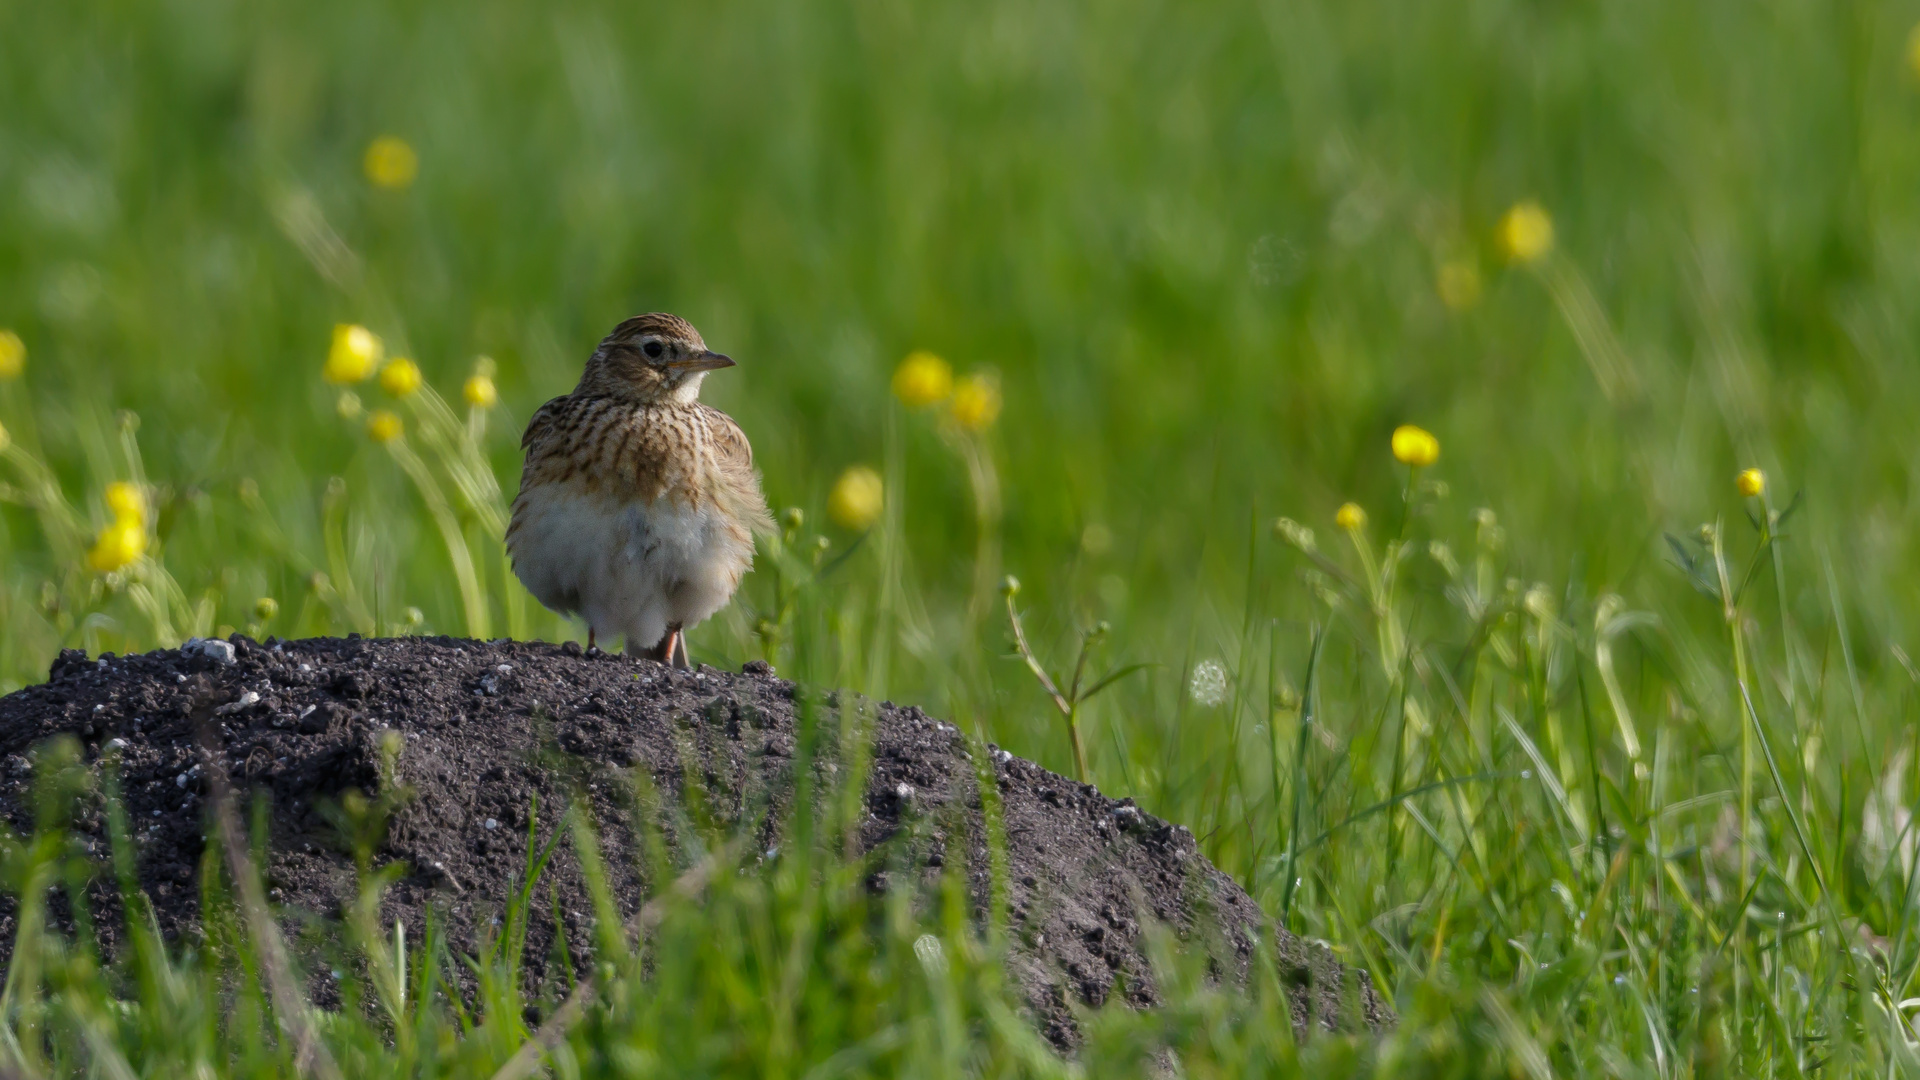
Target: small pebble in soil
220	652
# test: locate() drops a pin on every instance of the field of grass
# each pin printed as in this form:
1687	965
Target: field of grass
1600	766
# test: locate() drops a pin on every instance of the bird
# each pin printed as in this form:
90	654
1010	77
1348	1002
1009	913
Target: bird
638	503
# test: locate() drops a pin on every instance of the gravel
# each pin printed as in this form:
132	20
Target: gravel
493	736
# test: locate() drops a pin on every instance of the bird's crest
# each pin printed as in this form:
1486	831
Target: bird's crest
658	323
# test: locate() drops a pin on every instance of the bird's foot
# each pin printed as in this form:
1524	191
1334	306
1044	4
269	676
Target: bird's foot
670	650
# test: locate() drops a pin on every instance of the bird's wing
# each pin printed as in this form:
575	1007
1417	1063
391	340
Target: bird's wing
728	440
542	421
742	486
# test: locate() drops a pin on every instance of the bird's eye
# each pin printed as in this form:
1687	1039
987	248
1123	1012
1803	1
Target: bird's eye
653	349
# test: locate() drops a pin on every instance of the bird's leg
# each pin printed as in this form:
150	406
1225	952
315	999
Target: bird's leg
661	651
590	645
677	655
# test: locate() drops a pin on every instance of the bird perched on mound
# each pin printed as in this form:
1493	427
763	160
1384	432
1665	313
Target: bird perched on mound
638	504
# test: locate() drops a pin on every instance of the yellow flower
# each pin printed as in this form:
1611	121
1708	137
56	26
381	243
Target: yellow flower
400	377
13	355
1526	232
356	350
266	608
118	544
857	499
390	162
127	502
1458	284
481	393
384	426
976	402
1415	446
1350	517
922	379
1751	482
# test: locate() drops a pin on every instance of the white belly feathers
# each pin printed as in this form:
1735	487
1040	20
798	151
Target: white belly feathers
627	568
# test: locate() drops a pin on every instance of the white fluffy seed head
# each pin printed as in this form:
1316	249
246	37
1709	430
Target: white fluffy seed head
1209	683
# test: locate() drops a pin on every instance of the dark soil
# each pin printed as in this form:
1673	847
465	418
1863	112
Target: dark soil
488	731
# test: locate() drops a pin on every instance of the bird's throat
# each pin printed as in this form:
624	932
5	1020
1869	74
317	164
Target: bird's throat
687	390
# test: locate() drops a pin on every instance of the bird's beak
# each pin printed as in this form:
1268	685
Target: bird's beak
705	361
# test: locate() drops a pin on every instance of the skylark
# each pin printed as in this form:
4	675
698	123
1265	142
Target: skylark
638	504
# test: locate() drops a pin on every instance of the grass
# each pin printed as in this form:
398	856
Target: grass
1584	800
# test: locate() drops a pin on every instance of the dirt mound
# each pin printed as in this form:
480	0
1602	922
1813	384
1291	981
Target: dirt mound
487	731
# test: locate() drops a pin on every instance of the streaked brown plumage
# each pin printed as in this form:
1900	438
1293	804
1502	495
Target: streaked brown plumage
637	503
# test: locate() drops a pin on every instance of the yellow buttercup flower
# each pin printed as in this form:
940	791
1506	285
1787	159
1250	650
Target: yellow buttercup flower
1458	284
390	162
1751	482
118	545
976	402
1415	446
384	426
13	355
922	379
857	499
127	502
1526	232
400	377
1350	517
480	392
355	352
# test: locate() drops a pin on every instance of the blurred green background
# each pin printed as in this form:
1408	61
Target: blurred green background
1201	245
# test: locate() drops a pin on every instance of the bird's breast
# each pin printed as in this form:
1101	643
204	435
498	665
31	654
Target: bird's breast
628	452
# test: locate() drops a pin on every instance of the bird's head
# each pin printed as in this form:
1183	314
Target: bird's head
650	358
